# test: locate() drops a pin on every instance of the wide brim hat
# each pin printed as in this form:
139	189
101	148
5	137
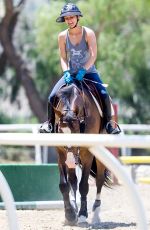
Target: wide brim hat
69	9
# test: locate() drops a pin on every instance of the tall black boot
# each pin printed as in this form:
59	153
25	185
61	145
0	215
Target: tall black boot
48	126
108	117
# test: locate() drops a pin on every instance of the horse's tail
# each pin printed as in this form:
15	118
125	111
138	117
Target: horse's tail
107	181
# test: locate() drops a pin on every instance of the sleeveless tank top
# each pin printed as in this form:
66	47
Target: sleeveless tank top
78	55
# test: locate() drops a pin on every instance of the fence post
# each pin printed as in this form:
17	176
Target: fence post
38	155
7	197
103	155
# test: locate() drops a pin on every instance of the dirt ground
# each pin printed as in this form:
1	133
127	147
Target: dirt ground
116	212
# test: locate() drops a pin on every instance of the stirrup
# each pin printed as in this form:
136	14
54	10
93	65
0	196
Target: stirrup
46	127
113	130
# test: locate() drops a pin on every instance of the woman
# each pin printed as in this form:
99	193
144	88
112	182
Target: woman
78	52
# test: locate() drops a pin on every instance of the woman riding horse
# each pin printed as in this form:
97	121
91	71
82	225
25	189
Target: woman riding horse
76	112
78	52
71	109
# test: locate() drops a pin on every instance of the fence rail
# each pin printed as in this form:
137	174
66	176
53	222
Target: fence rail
95	143
42	155
135	127
88	140
30	127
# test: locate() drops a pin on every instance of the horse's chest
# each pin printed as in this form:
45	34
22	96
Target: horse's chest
65	129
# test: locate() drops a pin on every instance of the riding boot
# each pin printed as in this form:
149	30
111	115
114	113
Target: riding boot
108	122
48	126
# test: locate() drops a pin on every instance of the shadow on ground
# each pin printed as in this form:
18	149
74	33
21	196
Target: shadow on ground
111	225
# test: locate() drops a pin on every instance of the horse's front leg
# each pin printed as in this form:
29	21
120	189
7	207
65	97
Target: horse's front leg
86	160
72	179
64	185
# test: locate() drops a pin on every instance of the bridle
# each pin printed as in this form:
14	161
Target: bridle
80	120
73	157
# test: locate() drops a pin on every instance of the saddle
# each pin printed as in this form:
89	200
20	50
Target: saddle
91	89
95	95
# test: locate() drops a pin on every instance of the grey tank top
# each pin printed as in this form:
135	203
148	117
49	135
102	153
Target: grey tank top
78	55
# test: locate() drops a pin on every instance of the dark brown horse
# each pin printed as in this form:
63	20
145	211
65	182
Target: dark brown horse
76	112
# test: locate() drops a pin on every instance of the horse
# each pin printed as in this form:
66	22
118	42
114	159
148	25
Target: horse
76	111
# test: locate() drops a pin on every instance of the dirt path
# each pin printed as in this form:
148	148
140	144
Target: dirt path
116	212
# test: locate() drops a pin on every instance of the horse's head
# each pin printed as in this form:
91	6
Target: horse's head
69	110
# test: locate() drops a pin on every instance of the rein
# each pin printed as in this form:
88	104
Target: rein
105	85
86	114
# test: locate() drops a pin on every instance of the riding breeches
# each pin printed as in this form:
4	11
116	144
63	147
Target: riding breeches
95	79
89	78
58	85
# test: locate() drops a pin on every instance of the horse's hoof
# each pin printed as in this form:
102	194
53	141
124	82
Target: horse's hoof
71	223
96	216
71	217
95	223
82	222
83	225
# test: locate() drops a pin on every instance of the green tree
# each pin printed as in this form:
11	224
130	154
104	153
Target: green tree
123	49
12	58
123	32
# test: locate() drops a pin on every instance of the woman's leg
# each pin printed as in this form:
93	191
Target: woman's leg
48	126
95	79
58	85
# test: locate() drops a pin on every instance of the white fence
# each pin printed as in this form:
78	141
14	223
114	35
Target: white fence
135	127
7	197
95	144
126	128
31	127
35	127
27	128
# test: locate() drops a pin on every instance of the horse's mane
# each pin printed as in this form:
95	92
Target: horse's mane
66	92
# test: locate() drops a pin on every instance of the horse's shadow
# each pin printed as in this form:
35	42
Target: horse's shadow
111	225
106	225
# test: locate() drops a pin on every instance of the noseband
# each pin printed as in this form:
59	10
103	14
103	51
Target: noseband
77	119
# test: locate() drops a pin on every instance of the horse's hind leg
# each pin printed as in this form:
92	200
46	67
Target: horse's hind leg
86	160
100	178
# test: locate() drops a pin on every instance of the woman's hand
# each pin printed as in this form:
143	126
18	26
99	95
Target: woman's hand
67	77
80	74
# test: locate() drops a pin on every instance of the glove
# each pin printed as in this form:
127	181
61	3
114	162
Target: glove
67	77
80	74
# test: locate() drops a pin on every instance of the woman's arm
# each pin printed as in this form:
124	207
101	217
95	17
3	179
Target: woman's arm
62	50
92	44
